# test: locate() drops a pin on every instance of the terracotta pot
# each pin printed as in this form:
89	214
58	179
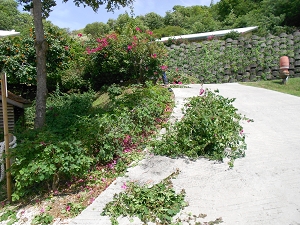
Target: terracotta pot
284	63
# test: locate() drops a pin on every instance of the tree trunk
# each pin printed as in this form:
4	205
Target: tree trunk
41	49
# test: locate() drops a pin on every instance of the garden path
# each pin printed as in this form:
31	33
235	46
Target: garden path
262	188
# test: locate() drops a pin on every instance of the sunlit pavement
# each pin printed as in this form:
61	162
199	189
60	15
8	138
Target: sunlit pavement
262	188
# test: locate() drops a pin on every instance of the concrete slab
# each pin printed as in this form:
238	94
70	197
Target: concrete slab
263	188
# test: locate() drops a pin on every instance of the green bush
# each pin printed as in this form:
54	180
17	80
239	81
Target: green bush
72	78
131	54
78	136
151	204
232	34
42	163
134	114
210	128
17	56
114	90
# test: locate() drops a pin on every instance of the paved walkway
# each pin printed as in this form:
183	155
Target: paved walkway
263	188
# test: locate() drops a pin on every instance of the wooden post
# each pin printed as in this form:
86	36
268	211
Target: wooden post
6	134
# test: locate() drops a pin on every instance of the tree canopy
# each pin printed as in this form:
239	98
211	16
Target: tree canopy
271	16
11	18
41	9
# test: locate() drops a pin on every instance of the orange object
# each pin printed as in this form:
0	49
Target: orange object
284	63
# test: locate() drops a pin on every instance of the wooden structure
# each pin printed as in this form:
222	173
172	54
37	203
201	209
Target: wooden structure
4	96
15	109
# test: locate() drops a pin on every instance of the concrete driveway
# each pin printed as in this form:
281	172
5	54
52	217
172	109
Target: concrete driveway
262	188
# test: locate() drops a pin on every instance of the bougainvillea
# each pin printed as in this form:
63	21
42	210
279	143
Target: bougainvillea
130	54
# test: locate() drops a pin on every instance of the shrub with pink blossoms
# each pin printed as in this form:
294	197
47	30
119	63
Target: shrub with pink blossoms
131	54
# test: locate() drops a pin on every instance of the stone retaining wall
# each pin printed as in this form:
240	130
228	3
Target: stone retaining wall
245	59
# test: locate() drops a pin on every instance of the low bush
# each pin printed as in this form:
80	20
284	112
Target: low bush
77	136
210	128
158	203
44	163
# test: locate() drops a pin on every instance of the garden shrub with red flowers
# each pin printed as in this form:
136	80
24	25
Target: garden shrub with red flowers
131	54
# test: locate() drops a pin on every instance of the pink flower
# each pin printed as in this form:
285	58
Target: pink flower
176	69
79	34
112	36
102	42
149	32
179	82
135	38
138	29
42	210
210	37
164	67
127	139
201	91
124	186
88	50
154	56
67	48
129	47
112	164
103	179
68	208
241	132
92	200
126	150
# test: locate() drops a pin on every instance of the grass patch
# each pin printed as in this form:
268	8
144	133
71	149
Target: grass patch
292	86
103	99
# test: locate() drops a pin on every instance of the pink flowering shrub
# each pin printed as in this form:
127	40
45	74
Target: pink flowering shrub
131	54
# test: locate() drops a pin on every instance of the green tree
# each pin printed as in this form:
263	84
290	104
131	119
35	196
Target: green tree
96	29
200	19
11	18
238	7
8	9
111	24
290	10
121	21
153	21
173	19
17	54
42	9
169	31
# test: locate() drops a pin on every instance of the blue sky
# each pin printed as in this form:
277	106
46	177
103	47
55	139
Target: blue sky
67	15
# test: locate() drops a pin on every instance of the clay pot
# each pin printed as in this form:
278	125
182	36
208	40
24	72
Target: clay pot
284	63
284	68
